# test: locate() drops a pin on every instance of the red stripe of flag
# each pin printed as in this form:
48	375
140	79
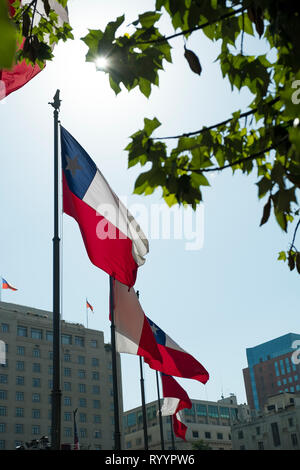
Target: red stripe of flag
5	285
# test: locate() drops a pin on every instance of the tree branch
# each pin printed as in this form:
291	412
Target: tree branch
222	123
230	165
294	237
17	17
191	30
253	156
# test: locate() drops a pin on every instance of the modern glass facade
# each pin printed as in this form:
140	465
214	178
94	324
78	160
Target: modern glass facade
271	350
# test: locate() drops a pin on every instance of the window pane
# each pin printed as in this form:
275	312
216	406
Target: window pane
36	333
213	411
20	350
79	340
49	336
275	434
201	410
131	419
224	412
36	353
21	331
66	339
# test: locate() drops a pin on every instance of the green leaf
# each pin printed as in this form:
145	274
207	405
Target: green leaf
148	18
291	261
266	212
47	7
26	24
145	87
298	261
193	61
63	2
281	219
264	185
198	179
8	43
150	125
115	86
282	256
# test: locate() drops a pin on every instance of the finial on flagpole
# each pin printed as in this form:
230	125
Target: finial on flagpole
56	101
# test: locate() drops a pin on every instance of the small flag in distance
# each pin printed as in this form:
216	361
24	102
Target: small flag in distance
88	305
5	285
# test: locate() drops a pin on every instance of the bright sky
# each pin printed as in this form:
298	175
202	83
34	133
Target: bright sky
214	302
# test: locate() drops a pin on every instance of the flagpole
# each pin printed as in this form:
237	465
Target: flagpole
143	397
87	314
172	433
114	367
56	392
159	414
76	442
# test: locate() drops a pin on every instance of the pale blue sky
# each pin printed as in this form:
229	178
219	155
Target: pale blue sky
215	302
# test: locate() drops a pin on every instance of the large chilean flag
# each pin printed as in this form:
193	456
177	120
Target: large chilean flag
21	73
175	360
112	237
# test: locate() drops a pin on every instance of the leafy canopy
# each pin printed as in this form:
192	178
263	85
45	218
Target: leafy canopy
268	145
264	139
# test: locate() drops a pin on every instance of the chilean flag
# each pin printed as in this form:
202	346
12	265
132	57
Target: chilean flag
21	73
133	332
175	399
113	239
175	361
5	285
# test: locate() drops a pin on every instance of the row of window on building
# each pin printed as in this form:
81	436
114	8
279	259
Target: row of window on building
67	372
195	434
37	398
197	409
212	411
36	413
37	383
67	432
19	428
275	435
67	386
67	357
40	334
284	367
20	443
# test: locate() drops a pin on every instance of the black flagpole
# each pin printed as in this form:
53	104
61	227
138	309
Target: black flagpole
143	398
114	366
172	433
159	414
56	392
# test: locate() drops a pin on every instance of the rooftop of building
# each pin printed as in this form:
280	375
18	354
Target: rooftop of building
23	309
277	403
228	401
31	312
271	349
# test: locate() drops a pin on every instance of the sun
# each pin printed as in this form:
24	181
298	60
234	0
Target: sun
101	63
